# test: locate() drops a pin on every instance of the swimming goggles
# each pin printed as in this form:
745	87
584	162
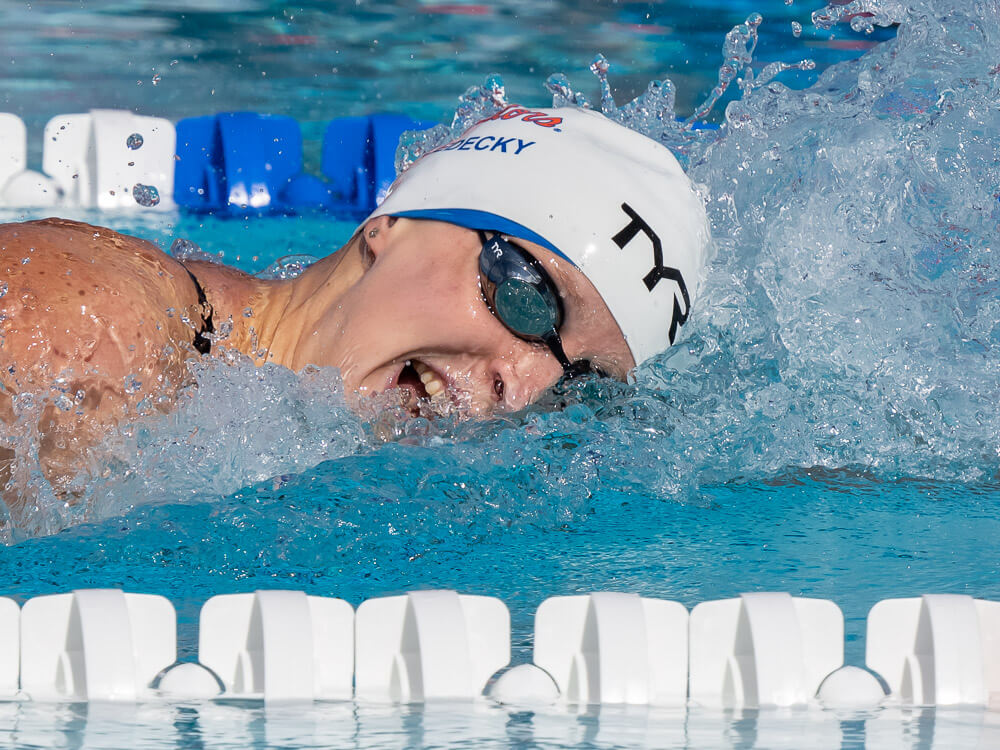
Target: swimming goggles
522	296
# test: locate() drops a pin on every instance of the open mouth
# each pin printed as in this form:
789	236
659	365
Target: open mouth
416	389
422	383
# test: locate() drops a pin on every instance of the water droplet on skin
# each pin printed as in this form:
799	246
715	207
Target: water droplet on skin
225	330
3	288
146	195
64	402
25	261
134	141
287	267
247	312
132	385
185	250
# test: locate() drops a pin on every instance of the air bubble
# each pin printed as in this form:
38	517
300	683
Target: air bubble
796	29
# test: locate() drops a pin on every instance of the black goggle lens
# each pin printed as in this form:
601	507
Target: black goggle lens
518	290
524	298
523	308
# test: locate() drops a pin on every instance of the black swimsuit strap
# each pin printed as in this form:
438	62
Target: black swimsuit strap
202	343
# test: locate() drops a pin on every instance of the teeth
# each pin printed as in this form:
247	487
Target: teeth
432	383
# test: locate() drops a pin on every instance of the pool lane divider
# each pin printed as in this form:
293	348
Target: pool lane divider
228	164
758	650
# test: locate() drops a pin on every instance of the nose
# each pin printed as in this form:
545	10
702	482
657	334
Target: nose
523	373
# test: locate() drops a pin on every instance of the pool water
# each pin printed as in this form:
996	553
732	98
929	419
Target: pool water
338	725
826	426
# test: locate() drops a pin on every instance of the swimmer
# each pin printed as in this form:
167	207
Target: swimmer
541	244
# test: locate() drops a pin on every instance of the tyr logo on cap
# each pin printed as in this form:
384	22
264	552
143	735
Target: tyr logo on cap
659	272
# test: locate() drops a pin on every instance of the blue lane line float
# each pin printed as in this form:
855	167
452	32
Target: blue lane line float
240	162
758	650
235	159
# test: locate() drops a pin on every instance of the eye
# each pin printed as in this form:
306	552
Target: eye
498	387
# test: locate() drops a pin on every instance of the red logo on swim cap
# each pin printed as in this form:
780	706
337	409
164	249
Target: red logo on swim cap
514	112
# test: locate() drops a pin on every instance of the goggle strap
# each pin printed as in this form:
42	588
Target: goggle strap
570	369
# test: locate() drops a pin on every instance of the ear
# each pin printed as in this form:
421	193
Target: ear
376	233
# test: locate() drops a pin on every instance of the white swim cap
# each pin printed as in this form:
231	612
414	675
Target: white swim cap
611	201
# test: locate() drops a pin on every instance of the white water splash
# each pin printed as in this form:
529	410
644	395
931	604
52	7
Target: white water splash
236	424
651	113
863	15
850	314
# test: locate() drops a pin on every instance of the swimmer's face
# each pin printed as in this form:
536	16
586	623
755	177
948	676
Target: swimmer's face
415	320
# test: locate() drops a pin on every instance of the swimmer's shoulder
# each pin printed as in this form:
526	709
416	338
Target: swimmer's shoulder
91	260
69	241
85	297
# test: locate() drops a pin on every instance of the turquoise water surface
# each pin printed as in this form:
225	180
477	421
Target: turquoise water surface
827	425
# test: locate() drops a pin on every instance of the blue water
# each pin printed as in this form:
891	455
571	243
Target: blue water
827	426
